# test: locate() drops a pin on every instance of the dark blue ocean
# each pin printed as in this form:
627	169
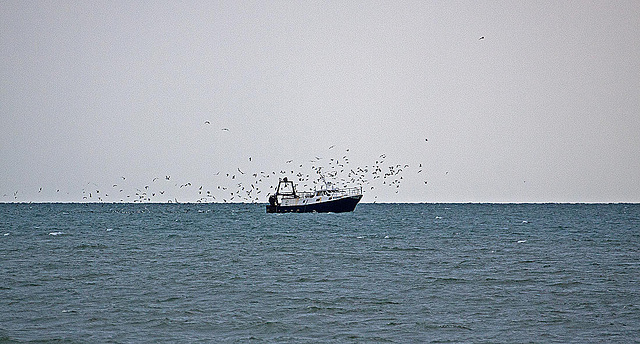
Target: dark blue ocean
386	273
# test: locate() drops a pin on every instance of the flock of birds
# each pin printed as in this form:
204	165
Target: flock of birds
242	185
251	187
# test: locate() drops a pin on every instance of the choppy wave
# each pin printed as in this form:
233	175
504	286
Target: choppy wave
385	273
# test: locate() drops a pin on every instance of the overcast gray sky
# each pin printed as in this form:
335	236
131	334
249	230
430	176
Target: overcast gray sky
545	108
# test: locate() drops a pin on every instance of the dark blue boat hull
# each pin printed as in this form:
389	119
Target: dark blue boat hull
341	205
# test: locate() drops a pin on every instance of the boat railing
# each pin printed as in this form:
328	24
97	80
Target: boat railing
306	194
353	191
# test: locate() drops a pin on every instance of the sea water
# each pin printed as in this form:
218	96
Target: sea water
388	273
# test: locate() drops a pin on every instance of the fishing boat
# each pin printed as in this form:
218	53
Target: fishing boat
328	199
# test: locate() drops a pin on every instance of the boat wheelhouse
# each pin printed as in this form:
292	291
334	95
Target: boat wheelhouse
327	199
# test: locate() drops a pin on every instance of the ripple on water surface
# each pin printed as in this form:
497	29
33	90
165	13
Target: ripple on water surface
384	273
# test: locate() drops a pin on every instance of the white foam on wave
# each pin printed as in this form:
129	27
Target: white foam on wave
109	229
521	241
56	233
5	234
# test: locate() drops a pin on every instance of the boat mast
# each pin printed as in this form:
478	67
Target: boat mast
286	181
